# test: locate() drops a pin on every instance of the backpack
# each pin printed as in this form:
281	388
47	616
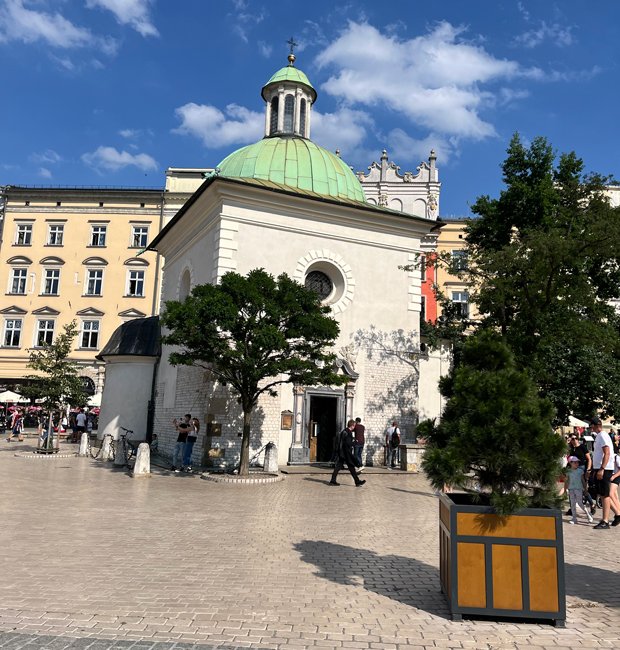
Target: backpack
395	439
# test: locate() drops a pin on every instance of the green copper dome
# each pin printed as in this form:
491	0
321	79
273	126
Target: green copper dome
297	163
292	74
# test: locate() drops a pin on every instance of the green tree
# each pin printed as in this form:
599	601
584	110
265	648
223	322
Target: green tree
57	383
495	436
545	264
254	333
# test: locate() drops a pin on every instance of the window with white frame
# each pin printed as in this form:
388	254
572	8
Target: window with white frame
51	282
461	302
12	332
45	332
55	234
135	283
23	235
18	281
139	236
94	282
459	260
90	334
98	235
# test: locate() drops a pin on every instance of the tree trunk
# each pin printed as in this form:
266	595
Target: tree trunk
244	462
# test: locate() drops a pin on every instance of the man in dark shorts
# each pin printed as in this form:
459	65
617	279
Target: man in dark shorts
603	466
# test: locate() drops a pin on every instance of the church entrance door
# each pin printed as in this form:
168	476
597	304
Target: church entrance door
322	427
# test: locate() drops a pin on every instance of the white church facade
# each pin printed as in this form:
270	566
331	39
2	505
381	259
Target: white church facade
286	205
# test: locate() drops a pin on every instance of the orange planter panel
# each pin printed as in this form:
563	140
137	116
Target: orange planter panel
507	590
543	571
517	526
471	575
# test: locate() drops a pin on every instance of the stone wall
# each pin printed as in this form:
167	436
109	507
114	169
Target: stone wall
198	394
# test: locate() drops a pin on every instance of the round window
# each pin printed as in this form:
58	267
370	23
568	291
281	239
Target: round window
320	283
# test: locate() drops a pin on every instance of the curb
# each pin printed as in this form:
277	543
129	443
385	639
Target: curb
242	480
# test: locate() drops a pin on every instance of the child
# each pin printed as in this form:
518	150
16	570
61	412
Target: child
575	484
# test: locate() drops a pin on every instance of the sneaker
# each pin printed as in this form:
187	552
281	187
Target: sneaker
591	520
360	483
572	522
387	467
602	525
360	469
616	521
188	469
569	512
593	510
333	483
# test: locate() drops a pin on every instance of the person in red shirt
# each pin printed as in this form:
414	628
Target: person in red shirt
358	442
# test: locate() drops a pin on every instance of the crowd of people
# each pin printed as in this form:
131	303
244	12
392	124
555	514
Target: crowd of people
593	474
72	424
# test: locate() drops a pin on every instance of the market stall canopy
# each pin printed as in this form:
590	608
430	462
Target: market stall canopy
576	422
94	400
11	396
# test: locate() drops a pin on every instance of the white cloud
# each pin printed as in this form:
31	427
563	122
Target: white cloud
402	146
265	49
19	23
44	172
237	125
129	133
433	80
49	157
135	13
244	18
110	159
345	129
557	34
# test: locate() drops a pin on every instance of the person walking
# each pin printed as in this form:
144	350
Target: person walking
192	436
80	423
603	464
358	443
17	425
575	484
580	451
392	442
183	428
345	455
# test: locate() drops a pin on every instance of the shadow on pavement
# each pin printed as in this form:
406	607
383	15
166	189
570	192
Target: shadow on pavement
317	480
421	494
592	583
404	579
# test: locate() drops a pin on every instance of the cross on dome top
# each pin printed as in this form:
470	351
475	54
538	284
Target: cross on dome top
292	45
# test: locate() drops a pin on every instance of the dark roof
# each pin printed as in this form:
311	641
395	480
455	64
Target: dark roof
138	337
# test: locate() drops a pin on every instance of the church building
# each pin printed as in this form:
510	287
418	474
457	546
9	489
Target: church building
285	204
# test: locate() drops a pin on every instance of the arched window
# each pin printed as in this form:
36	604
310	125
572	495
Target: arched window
185	285
273	124
289	110
302	118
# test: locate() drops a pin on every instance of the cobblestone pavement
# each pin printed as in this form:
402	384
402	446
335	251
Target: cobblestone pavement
95	558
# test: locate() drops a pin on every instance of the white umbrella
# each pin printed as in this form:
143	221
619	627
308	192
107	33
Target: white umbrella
10	396
94	400
576	422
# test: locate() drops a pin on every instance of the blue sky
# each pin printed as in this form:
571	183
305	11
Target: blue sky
112	92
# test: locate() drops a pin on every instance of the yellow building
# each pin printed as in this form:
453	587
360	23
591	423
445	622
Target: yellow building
72	254
452	239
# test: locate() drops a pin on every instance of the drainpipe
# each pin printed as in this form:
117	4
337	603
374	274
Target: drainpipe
154	309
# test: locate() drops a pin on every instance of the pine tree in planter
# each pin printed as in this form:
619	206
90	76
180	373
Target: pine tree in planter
501	536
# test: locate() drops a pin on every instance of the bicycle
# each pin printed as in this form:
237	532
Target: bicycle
127	449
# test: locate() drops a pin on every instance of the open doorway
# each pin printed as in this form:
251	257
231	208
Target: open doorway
322	427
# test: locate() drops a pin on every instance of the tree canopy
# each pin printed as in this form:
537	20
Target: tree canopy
544	268
254	333
495	435
58	383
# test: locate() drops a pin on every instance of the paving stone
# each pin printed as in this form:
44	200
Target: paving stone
194	565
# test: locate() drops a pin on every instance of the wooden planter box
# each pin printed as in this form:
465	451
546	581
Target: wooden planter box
501	566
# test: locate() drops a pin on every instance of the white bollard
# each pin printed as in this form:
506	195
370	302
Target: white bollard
120	457
143	461
106	448
271	459
83	444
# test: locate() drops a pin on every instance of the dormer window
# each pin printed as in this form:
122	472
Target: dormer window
289	112
273	124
